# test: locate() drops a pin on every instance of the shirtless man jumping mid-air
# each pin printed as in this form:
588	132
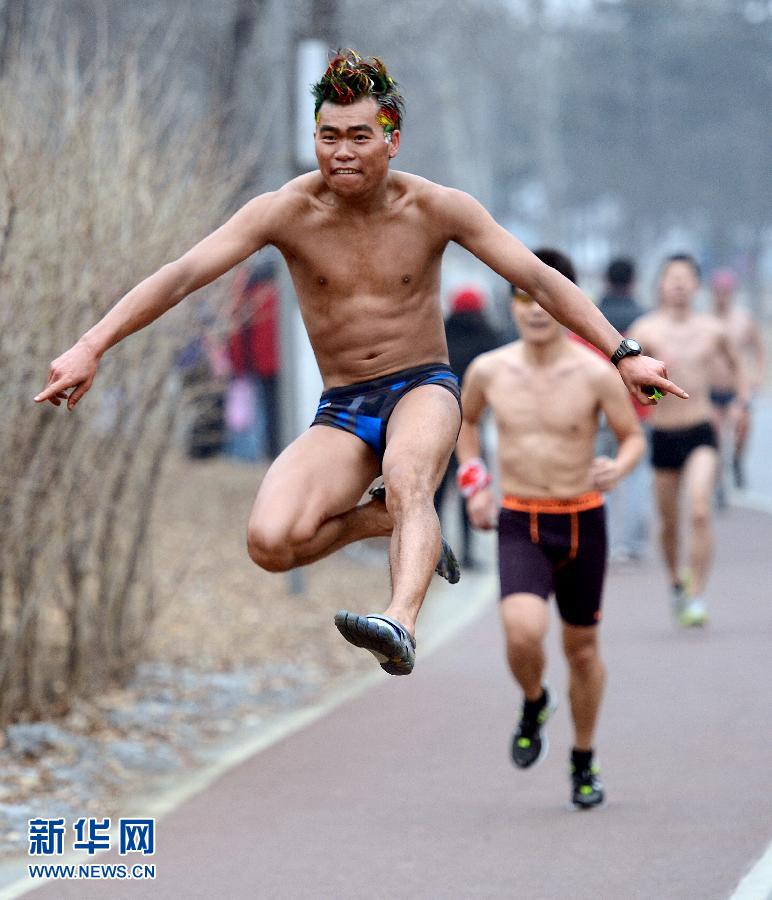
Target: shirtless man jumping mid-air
364	246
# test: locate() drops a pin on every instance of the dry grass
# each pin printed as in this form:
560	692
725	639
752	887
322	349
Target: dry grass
102	180
217	610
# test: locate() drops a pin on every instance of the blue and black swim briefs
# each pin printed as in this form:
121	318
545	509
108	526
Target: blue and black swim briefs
364	408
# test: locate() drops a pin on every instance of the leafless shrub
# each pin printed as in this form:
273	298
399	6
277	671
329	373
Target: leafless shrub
104	176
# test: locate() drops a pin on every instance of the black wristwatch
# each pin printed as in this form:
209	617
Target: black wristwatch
628	347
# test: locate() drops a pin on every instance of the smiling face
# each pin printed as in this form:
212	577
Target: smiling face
536	325
351	147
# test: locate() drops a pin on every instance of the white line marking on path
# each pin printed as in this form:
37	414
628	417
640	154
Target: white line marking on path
757	884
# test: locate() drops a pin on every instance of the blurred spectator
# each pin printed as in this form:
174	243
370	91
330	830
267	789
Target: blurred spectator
628	505
469	334
204	367
618	304
732	423
252	406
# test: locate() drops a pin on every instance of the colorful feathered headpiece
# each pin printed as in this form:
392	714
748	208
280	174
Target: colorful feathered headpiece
350	78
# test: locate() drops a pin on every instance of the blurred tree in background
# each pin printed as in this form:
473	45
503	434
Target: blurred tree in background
603	125
105	174
673	113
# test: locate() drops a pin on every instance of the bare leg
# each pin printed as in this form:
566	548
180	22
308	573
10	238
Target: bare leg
420	438
306	505
525	618
723	427
667	484
587	679
741	430
365	521
700	479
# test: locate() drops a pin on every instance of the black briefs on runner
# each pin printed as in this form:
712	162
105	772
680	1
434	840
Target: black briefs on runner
721	398
561	550
364	408
671	448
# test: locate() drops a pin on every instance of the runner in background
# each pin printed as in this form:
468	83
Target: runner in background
546	393
732	418
683	439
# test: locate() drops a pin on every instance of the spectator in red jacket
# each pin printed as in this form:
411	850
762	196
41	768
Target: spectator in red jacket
253	349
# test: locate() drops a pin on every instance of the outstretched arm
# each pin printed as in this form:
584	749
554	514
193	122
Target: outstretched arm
238	238
475	229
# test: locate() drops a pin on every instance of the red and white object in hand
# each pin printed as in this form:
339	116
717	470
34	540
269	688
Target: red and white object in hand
472	476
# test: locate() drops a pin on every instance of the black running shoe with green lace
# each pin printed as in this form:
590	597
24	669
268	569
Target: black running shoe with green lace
529	745
587	788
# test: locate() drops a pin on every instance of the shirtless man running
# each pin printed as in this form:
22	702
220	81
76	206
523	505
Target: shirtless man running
364	246
546	393
738	324
683	440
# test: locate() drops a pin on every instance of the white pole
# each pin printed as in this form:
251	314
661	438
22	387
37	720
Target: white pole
311	62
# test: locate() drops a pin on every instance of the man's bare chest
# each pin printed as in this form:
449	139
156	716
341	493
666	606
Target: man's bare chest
560	404
378	257
685	349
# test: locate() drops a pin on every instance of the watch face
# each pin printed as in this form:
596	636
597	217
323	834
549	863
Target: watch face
633	345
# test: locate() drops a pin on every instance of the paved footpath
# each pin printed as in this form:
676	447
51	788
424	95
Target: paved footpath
407	790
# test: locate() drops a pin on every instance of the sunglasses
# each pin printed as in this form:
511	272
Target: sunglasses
521	296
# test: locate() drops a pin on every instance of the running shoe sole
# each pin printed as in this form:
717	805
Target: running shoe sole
388	640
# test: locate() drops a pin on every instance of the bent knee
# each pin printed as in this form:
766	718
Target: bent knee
525	621
583	657
274	547
523	641
269	548
407	484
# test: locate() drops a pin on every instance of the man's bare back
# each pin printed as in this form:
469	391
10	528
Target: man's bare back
546	417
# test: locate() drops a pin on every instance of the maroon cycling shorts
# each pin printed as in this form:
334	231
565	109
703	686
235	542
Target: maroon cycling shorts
547	545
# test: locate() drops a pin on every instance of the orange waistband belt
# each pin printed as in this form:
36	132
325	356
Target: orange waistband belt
590	500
